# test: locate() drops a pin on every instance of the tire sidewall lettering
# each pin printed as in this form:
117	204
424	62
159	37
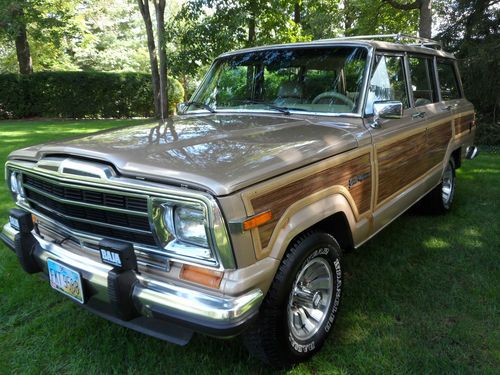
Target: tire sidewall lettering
312	345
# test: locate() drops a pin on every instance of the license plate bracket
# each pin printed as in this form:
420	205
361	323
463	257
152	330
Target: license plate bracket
65	280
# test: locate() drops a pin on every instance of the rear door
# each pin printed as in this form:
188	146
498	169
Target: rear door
438	117
452	100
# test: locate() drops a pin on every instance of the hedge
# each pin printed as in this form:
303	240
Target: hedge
80	95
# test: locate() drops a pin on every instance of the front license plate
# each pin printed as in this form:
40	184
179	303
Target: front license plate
65	280
14	223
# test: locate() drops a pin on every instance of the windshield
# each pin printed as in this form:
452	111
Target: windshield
320	79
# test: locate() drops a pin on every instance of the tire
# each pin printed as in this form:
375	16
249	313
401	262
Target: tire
298	313
440	199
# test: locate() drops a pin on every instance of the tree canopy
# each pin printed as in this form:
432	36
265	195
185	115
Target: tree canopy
92	35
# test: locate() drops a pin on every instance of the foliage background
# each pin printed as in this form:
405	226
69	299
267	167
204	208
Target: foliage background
93	36
80	95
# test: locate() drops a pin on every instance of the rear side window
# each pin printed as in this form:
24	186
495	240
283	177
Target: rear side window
448	80
423	81
387	82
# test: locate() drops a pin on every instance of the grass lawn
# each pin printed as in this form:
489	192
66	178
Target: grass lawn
422	297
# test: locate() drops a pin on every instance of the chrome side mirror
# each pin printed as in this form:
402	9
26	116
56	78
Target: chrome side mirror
388	109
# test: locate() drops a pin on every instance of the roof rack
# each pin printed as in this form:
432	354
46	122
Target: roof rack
398	38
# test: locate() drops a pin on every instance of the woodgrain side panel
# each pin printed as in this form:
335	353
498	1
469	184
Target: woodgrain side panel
463	124
437	143
403	161
280	199
399	163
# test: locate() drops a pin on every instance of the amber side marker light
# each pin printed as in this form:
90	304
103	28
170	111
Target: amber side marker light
202	276
257	220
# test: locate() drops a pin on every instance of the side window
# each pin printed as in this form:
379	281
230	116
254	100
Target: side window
387	82
448	82
422	80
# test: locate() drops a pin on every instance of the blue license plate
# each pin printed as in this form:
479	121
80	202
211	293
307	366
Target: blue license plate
65	280
14	223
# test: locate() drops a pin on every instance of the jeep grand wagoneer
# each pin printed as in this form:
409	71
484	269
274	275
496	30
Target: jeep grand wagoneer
231	217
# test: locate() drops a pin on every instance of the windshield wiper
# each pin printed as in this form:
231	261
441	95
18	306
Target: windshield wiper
268	105
199	105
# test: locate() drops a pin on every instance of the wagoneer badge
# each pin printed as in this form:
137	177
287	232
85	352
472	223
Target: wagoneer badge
354	180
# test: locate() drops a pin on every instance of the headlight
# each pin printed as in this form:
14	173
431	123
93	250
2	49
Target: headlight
182	229
192	230
190	224
15	182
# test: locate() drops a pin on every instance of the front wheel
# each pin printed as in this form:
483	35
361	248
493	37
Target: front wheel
302	303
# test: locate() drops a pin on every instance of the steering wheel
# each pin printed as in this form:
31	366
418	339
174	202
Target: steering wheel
333	95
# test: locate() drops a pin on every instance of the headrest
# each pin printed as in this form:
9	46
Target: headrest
290	89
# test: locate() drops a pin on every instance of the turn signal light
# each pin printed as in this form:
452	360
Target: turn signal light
257	220
202	276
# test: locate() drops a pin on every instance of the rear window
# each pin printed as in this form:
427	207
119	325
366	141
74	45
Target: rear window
448	80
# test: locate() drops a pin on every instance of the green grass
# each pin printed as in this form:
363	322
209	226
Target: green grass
422	297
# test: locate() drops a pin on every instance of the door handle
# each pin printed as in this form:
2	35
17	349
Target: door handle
418	115
447	108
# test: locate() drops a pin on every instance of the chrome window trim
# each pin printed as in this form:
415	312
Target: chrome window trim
141	188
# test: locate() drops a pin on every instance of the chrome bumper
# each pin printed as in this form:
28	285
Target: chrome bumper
215	315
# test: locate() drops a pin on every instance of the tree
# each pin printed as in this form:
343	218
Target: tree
13	22
111	37
158	73
38	32
471	30
425	9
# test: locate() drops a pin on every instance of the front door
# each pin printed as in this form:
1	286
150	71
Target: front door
400	145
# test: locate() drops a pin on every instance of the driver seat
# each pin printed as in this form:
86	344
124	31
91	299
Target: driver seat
289	92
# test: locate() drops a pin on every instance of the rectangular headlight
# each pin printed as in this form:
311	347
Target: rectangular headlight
192	230
190	225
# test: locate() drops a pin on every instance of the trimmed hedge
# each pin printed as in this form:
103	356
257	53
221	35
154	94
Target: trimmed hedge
79	95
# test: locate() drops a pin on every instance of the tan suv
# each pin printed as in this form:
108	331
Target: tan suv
231	217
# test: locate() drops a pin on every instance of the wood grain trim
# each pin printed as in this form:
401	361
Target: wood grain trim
280	199
404	160
463	124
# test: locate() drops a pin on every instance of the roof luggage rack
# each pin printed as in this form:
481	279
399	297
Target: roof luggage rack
398	38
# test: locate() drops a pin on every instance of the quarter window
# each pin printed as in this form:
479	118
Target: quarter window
422	81
387	82
448	82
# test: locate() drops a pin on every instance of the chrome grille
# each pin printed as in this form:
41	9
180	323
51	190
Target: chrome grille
104	213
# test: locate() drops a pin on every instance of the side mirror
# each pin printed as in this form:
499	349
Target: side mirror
389	109
181	107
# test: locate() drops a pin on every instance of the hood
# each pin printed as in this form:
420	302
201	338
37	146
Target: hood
220	153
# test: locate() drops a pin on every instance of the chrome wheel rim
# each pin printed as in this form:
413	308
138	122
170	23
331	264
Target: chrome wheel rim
447	185
310	298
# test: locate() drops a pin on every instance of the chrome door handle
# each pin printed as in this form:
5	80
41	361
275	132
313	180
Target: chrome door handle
418	115
447	108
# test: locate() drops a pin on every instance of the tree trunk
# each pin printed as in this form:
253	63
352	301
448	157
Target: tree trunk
162	53
153	61
348	17
425	19
252	9
296	11
23	51
251	30
22	46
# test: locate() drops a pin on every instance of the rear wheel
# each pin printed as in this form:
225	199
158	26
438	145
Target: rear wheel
440	199
301	305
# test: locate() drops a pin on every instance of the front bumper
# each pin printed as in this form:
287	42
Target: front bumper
163	310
